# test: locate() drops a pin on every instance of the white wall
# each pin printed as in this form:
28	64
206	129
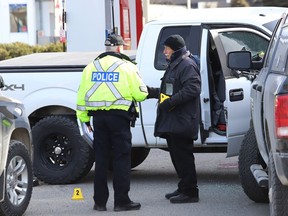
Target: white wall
87	22
85	25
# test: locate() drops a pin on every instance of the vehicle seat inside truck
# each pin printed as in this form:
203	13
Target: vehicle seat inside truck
217	92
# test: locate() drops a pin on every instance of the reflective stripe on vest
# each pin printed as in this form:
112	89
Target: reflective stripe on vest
120	100
82	108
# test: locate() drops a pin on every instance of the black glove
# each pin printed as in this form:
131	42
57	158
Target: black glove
152	92
166	105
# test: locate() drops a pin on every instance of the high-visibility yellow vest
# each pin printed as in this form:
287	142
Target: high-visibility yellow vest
109	83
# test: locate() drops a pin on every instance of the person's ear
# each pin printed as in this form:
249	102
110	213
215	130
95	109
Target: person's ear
120	49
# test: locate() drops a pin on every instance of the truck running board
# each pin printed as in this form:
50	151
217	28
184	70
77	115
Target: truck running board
260	175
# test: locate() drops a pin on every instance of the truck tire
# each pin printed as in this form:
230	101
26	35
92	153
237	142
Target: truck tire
248	155
138	155
278	193
19	180
61	156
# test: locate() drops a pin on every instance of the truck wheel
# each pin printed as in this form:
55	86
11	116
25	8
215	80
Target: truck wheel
61	156
248	155
278	193
138	155
19	180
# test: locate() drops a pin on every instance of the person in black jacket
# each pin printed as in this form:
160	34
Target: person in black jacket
178	115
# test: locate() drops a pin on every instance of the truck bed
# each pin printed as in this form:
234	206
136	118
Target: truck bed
53	60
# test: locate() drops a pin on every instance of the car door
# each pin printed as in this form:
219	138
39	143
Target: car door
238	85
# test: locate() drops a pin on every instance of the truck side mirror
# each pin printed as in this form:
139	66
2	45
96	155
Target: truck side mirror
239	60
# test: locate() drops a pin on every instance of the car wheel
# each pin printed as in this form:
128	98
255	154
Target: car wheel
61	156
248	155
278	193
19	180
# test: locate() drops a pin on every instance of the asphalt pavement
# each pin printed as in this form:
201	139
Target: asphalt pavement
220	191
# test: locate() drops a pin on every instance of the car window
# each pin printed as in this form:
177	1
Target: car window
269	55
280	58
279	49
271	49
191	35
244	40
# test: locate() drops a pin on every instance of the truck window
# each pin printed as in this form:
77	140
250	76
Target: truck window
191	35
280	58
244	40
270	57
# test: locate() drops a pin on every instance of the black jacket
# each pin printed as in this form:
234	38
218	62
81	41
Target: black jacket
182	82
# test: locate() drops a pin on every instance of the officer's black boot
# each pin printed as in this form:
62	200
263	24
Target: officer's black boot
173	194
183	198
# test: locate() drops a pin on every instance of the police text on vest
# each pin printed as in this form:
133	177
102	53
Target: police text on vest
105	77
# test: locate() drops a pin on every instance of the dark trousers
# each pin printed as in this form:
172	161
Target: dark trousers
181	152
112	137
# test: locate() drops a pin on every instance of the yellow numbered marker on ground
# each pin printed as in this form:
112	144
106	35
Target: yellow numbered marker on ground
77	195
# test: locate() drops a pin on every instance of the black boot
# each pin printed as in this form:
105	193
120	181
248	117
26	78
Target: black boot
183	198
127	207
173	194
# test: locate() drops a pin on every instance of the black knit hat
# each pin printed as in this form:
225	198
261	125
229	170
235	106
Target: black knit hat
114	40
175	42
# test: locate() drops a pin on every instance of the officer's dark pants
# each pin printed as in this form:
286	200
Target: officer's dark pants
112	136
181	152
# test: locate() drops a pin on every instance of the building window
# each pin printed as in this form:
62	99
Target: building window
18	17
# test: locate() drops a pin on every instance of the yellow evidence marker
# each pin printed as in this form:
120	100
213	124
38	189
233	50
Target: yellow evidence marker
77	195
163	97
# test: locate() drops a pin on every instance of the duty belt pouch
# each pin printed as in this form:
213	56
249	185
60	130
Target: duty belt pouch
133	114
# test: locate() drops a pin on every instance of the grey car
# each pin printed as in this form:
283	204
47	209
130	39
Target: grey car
16	174
263	158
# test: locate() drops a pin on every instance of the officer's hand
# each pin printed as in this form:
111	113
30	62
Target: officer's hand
166	105
152	92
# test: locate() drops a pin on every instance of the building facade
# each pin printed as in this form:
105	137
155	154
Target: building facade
84	24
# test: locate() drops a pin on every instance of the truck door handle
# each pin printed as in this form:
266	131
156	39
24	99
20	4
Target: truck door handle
257	87
236	94
254	86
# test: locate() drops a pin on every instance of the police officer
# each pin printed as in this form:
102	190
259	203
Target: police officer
108	90
178	115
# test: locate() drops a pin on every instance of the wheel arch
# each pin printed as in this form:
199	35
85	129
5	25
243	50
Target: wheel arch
44	111
54	98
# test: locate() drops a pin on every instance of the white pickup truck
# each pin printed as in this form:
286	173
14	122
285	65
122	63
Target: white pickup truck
47	84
